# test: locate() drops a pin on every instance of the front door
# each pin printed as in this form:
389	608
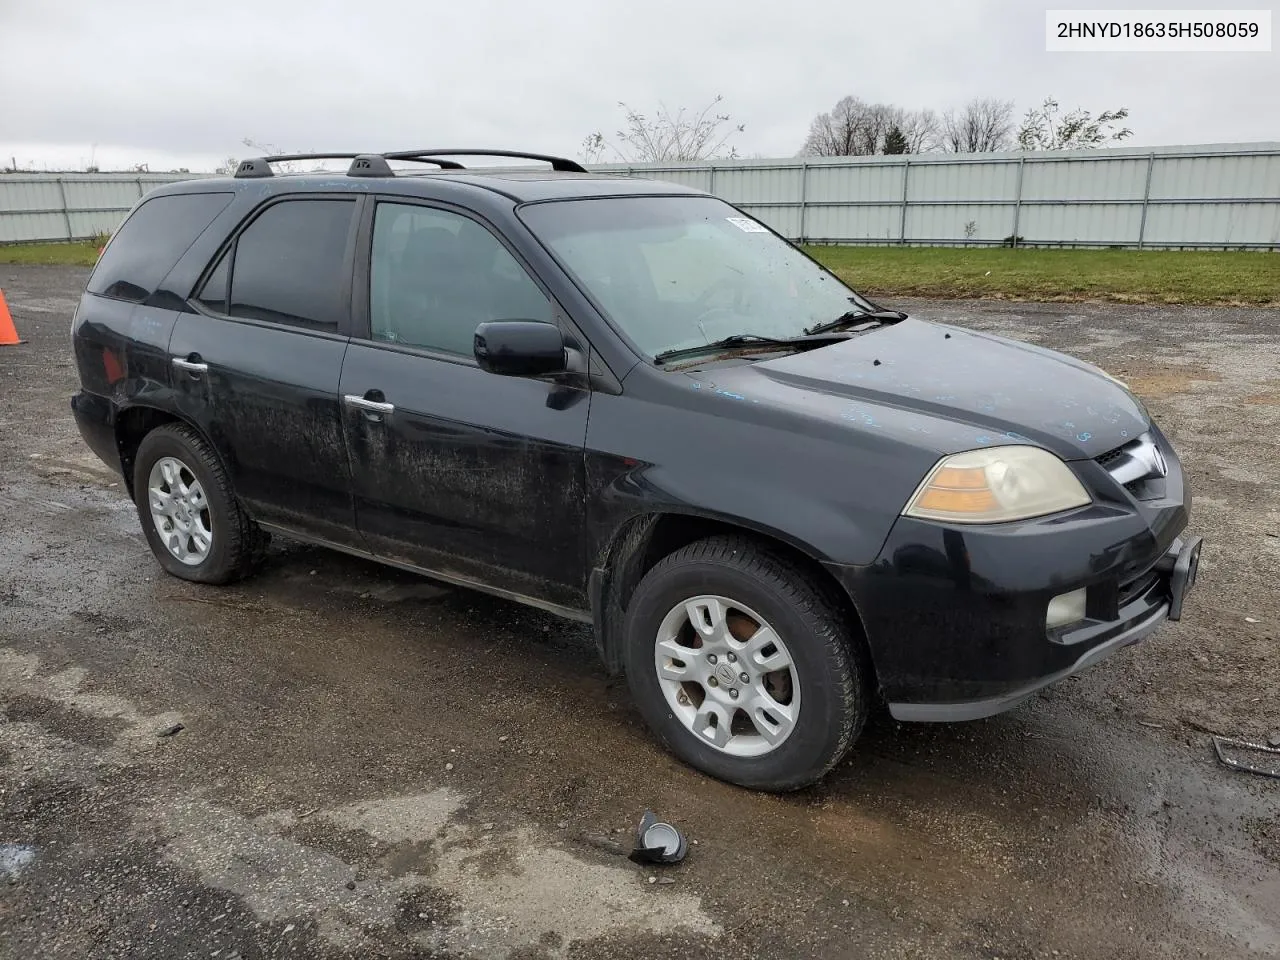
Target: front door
463	472
257	369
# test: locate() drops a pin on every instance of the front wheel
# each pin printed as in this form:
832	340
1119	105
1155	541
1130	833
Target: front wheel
743	666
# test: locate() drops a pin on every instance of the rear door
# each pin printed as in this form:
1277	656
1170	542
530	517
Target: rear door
258	366
460	471
122	328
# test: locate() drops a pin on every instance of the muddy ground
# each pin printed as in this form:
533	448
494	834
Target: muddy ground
371	766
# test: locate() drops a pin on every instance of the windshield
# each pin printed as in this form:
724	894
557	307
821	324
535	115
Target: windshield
679	272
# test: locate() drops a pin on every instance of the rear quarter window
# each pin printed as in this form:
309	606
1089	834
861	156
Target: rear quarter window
151	241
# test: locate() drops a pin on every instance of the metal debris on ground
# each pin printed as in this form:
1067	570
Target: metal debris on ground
170	731
1273	764
658	842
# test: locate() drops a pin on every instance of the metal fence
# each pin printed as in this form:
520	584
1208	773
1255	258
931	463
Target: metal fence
70	206
1217	197
1225	196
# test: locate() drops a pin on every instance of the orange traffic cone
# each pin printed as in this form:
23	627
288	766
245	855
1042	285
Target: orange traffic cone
8	333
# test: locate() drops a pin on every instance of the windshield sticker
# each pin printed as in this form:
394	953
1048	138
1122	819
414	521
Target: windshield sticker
747	226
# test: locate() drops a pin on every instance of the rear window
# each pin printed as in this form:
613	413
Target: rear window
290	263
151	241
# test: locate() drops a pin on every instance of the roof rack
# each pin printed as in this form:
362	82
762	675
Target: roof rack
362	164
375	164
563	164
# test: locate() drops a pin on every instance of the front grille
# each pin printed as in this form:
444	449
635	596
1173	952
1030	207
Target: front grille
1110	457
1139	466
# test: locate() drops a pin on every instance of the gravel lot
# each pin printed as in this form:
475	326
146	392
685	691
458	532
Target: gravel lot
374	766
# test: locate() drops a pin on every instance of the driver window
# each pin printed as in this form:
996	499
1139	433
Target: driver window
434	276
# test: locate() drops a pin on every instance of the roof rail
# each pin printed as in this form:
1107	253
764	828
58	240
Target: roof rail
562	164
367	167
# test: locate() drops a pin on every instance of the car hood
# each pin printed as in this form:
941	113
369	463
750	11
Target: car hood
948	388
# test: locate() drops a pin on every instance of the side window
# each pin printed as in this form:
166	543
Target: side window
213	294
289	265
151	241
435	276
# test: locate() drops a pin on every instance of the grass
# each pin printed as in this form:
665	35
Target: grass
1121	276
68	254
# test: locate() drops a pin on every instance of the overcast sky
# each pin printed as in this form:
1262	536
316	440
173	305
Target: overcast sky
181	84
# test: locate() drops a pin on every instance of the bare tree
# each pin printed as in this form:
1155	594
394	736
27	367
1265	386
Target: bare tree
855	128
852	128
922	130
983	125
1046	128
683	135
271	149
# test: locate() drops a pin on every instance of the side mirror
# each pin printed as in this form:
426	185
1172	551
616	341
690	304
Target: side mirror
520	348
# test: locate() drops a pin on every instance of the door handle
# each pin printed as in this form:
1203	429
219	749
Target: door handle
193	367
373	406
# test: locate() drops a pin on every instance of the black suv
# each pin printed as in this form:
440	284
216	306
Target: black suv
634	405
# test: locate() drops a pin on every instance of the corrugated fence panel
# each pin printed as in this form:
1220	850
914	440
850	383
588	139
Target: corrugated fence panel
943	223
110	195
954	182
1210	196
1217	177
1233	224
1096	224
861	182
18	226
28	195
71	206
774	186
1059	180
863	223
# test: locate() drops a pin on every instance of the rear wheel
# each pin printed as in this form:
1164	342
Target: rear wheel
743	666
189	514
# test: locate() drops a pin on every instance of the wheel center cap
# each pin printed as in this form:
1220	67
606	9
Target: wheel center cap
726	675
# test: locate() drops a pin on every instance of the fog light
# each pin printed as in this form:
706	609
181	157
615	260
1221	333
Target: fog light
1065	608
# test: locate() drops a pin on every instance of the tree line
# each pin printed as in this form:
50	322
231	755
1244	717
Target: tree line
856	128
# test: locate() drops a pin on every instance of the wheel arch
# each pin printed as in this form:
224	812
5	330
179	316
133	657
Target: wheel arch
134	422
641	541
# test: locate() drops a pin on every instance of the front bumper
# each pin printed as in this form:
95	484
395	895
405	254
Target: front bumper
1161	601
955	616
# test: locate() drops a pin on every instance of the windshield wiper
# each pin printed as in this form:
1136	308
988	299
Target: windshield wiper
740	340
873	317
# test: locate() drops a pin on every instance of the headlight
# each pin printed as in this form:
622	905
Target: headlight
996	484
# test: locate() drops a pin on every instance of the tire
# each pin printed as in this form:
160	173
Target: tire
826	690
235	544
